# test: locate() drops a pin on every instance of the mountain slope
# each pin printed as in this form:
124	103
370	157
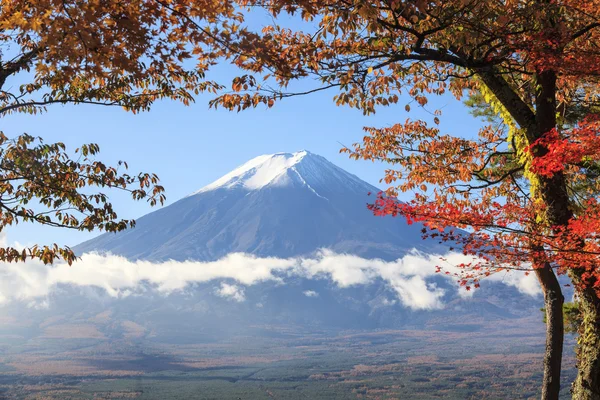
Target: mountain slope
281	205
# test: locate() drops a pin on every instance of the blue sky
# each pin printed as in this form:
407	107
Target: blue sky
189	147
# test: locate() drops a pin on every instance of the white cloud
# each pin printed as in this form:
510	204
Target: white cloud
310	293
526	284
407	276
415	293
232	292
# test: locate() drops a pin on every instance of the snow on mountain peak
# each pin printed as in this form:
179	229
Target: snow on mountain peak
258	172
281	169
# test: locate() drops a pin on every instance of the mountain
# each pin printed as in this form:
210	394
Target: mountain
287	205
280	205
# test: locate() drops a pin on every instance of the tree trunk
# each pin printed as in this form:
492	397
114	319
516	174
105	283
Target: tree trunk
553	300
552	191
587	384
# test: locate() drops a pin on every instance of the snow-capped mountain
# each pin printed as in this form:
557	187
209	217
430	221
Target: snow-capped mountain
274	208
284	204
282	169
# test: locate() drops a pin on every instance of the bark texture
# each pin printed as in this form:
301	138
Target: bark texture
553	299
587	384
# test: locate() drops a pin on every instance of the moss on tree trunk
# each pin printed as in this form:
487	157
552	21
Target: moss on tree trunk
587	384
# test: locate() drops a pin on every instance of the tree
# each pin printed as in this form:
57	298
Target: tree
104	52
50	178
525	187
